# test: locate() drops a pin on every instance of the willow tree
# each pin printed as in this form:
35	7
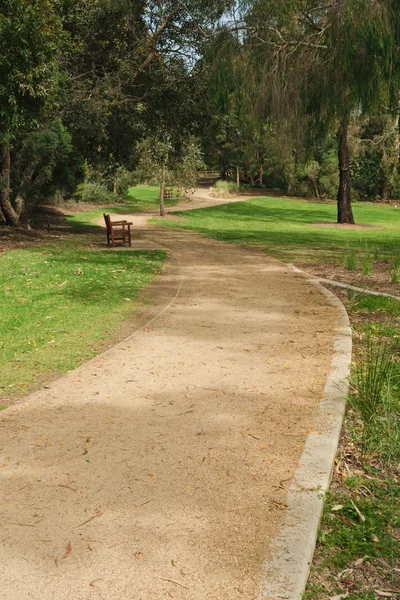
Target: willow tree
357	73
317	64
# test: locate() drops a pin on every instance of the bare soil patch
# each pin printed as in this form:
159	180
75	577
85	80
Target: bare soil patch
379	280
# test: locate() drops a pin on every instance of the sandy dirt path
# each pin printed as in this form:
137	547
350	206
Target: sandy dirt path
160	469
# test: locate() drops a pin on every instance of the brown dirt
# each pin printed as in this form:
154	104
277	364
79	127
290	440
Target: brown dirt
160	469
379	280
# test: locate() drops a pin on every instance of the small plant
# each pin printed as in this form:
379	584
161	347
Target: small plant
366	264
395	275
350	260
395	270
223	189
220	189
372	370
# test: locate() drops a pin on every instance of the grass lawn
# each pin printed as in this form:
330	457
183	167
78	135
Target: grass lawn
60	304
285	227
140	198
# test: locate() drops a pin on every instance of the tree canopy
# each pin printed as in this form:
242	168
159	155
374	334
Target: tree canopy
300	95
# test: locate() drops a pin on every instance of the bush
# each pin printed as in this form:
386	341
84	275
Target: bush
94	192
223	189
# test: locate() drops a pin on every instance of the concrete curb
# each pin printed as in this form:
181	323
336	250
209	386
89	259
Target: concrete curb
286	573
347	286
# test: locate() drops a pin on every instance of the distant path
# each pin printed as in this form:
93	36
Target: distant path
160	469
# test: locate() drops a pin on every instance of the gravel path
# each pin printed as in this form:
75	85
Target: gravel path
160	469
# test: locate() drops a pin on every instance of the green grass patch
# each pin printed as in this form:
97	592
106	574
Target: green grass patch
289	228
344	532
140	198
148	196
375	304
357	538
59	305
358	550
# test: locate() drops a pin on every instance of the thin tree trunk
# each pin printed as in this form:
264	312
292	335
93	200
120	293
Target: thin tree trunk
316	190
162	190
237	177
6	207
345	213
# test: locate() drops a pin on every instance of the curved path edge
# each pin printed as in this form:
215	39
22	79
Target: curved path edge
286	573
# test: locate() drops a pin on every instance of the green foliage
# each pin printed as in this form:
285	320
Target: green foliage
350	260
367	263
30	34
372	372
367	176
123	180
223	189
94	192
179	164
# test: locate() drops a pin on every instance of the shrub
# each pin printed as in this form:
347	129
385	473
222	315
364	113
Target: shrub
94	192
223	189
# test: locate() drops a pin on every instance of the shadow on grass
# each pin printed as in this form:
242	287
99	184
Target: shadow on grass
286	227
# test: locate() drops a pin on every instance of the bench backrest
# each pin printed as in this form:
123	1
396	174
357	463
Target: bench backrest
107	219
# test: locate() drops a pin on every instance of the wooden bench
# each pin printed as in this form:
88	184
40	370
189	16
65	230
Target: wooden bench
169	194
118	232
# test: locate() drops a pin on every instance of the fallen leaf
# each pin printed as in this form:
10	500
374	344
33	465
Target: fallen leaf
383	594
339	597
360	561
375	538
68	550
337	507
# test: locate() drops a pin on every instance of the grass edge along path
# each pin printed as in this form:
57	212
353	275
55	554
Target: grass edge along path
60	306
358	552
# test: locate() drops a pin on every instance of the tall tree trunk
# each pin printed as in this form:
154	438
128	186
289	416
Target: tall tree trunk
162	191
345	213
10	215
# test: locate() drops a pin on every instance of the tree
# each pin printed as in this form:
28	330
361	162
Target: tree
30	35
313	65
165	162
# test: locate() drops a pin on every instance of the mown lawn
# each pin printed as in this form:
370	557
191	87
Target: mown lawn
289	228
61	304
139	198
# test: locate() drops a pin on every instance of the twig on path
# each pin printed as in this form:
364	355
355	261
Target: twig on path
176	582
178	415
143	503
68	487
99	514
